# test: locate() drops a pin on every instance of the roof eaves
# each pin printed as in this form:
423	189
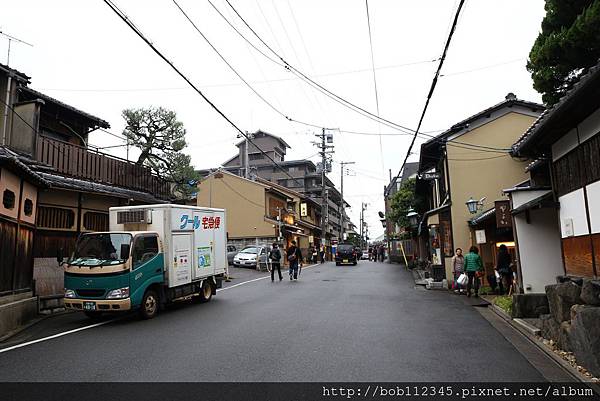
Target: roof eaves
548	116
99	122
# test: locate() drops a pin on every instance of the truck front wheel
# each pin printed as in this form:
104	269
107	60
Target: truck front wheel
149	307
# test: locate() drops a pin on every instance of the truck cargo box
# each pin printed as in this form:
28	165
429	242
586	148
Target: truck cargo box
194	238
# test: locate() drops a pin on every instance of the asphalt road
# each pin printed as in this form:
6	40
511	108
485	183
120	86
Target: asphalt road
350	323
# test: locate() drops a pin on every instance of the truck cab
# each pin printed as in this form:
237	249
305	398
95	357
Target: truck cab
113	271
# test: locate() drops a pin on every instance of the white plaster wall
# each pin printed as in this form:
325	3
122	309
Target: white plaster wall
572	206
593	193
590	126
521	197
539	249
564	145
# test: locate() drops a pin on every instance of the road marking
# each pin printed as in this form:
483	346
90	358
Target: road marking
91	326
256	279
39	340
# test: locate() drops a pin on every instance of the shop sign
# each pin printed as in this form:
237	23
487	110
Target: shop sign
303	209
503	218
480	237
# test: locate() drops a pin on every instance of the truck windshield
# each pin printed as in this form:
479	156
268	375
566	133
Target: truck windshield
99	249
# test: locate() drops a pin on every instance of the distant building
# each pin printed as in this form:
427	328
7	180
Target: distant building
397	245
306	177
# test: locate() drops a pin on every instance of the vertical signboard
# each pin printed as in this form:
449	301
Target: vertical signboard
503	217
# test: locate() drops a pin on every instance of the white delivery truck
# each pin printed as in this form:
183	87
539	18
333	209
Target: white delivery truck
152	255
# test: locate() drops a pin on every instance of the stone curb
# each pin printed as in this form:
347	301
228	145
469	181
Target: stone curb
527	333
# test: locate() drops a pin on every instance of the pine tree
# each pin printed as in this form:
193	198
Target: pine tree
568	44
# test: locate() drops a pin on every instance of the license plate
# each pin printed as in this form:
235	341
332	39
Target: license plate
345	260
89	306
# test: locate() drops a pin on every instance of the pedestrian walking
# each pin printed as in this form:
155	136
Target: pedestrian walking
473	267
294	257
322	252
315	255
458	268
503	262
381	252
275	258
370	252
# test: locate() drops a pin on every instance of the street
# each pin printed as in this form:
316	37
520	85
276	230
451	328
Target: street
349	323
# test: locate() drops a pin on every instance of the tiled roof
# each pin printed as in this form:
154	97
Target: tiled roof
102	189
592	74
12	159
30	93
21	76
509	101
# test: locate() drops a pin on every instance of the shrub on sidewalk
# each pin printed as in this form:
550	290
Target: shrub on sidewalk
504	302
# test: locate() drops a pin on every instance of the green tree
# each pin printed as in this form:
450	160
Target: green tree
402	201
569	43
160	137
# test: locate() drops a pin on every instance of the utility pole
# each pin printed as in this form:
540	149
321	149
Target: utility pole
342	205
324	151
363	207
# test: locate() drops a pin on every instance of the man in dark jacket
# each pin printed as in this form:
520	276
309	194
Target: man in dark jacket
275	258
294	257
503	261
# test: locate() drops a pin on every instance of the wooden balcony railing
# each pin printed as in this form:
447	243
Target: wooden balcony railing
79	162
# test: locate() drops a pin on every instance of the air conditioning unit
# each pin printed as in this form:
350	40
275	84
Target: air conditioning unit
135	216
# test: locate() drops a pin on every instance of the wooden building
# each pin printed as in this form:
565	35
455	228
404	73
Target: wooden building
566	139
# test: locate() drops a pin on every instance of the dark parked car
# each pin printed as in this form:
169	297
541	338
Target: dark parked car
345	254
231	252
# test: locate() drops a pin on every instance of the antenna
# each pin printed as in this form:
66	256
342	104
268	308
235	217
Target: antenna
10	39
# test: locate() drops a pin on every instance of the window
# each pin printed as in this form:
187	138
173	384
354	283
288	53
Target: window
256	156
95	221
8	199
144	248
54	217
28	207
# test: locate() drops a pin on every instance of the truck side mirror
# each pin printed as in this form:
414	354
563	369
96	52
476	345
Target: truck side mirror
125	248
59	256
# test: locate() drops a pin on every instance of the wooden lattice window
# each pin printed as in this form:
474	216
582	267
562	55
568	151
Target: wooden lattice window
28	207
54	217
95	221
8	199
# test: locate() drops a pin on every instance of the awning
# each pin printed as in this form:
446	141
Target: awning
545	200
431	212
483	217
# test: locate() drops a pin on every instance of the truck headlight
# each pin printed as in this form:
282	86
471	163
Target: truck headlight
69	293
118	293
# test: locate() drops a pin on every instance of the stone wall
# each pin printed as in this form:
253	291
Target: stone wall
573	321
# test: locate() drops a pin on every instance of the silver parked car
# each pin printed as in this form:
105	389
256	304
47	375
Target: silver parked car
252	256
231	252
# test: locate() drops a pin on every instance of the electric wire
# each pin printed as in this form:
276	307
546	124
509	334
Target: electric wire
138	32
433	85
336	97
375	84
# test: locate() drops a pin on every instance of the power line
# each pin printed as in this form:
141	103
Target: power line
374	83
227	63
318	86
433	85
132	26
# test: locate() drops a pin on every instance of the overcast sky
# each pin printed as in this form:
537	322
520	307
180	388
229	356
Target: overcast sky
86	56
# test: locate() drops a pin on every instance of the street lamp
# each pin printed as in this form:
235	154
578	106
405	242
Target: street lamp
473	205
412	217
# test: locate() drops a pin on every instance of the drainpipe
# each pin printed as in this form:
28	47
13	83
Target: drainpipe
6	107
